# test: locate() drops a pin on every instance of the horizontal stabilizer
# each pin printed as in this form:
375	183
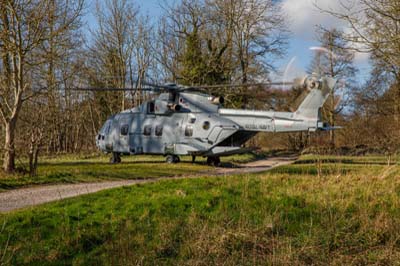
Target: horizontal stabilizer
326	127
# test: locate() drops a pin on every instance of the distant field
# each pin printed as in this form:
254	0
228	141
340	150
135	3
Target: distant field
321	210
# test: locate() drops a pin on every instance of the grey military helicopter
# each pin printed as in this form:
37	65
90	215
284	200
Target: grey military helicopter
188	121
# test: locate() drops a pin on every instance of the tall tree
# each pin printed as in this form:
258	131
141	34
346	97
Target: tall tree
375	28
143	55
334	58
235	40
198	61
24	28
260	36
112	49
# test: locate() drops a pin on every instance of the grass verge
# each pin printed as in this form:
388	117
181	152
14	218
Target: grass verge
70	169
96	168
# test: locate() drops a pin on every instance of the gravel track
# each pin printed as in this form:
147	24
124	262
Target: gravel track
32	196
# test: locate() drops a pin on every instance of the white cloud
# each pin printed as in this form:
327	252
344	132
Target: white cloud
305	15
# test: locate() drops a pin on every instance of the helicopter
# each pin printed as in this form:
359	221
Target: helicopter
187	121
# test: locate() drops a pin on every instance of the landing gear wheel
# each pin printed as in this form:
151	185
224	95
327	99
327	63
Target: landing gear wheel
214	161
217	162
115	158
193	158
169	159
172	158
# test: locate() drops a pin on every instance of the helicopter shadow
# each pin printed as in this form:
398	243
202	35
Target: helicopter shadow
83	163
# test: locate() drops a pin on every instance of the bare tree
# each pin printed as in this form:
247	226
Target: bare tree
334	58
375	28
113	47
259	36
24	28
143	55
237	40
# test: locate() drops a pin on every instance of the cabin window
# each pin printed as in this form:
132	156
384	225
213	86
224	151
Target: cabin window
206	125
151	107
147	130
189	131
159	130
124	130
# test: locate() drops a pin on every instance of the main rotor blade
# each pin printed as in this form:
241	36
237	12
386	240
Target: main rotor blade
281	83
173	87
165	87
111	89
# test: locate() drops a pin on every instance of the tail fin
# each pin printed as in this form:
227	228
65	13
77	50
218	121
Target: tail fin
319	92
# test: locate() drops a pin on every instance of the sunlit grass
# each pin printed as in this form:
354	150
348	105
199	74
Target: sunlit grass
96	167
284	217
69	169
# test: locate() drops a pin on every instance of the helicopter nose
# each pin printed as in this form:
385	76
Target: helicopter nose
99	140
98	137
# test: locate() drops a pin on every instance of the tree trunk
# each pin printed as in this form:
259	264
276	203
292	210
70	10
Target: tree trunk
9	146
332	119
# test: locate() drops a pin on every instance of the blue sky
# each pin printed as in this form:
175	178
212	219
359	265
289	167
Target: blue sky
302	15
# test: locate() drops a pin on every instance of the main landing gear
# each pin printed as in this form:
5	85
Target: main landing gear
171	158
115	158
214	161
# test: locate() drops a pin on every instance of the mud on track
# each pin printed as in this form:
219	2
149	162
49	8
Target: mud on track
32	196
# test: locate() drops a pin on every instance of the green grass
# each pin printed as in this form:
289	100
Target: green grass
95	168
283	217
69	169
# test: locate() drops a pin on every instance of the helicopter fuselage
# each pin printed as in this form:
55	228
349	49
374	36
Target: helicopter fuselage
191	123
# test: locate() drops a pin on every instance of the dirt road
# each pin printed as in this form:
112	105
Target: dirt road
25	197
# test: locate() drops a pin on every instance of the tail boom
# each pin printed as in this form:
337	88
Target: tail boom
305	118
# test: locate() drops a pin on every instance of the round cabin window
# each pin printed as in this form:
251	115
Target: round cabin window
206	125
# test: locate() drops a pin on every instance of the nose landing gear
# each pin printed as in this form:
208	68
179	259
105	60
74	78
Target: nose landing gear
115	158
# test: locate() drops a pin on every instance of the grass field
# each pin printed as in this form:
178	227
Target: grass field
75	169
325	210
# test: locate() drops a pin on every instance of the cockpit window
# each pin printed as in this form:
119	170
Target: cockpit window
106	128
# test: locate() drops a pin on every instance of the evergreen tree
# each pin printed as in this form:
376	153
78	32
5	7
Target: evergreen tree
193	65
